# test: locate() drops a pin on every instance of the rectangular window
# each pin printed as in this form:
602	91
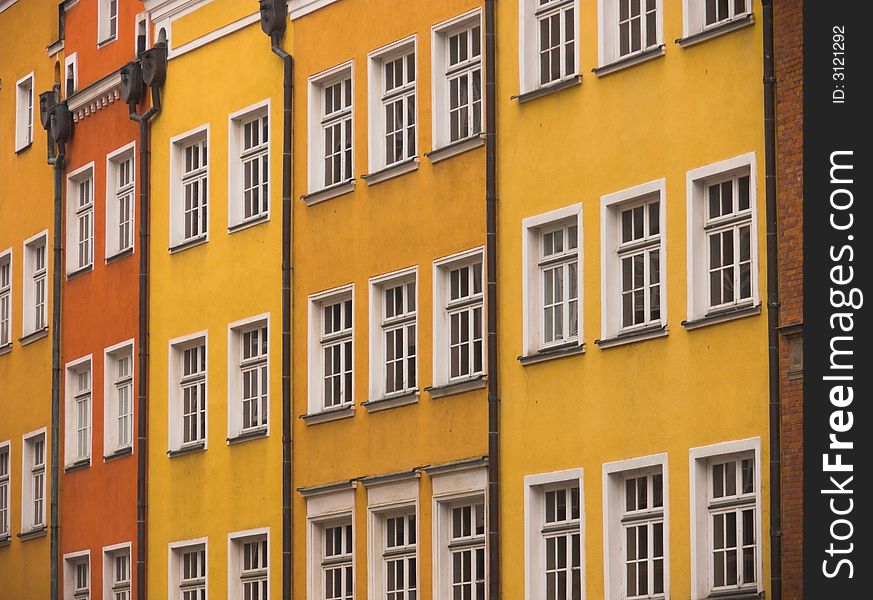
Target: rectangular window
80	219
118	397
399	557
253	375
120	191
189	210
116	573
33	488
77	576
394	350
467	550
337	562
192	573
556	24
720	11
332	356
5	299
248	565
107	28
336	131
71	74
78	412
637	26
4	491
255	164
35	282
193	393
559	273
24	113
393	123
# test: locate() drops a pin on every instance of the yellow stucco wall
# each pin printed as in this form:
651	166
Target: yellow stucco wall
26	209
691	107
233	276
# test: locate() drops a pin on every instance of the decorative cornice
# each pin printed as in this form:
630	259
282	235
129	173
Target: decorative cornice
96	96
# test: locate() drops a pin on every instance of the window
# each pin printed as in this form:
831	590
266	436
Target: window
249	393
330	545
457	80
248	572
249	167
24	113
701	16
398	557
633	259
331	350
726	528
548	33
628	28
467	548
5	299
188	577
392	537
720	11
458	318
107	28
553	511
120	192
337	562
552	279
116	572
330	128
189	211
80	219
35	285
78	412
722	237
33	486
77	576
188	393
71	74
4	490
118	397
393	348
634	521
393	104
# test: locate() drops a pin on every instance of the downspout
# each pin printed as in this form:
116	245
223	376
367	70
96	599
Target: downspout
491	304
143	348
772	306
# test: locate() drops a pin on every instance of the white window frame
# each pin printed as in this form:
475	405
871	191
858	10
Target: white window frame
441	73
443	307
179	178
114	589
71	74
529	46
112	383
72	562
25	104
317	85
235	364
106	21
141	26
697	249
532	228
700	486
608	36
385	501
317	302
611	207
72	370
30	521
379	98
6	490
31	315
176	348
237	156
80	181
449	490
175	552
694	16
6	299
379	324
236	572
326	510
115	197
535	487
614	477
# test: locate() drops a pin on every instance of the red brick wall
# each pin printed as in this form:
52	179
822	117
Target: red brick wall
788	22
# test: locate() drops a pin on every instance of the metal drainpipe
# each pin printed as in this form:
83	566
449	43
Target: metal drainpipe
491	304
772	306
143	348
287	438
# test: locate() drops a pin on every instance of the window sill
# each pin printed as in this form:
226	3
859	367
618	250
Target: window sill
395	170
24	148
455	148
337	189
6	349
250	222
119	255
245	436
80	271
716	31
629	337
200	239
548	89
333	414
33	336
82	463
5	540
107	41
722	316
189	449
394	401
630	61
457	387
32	534
121	452
550	353
735	595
